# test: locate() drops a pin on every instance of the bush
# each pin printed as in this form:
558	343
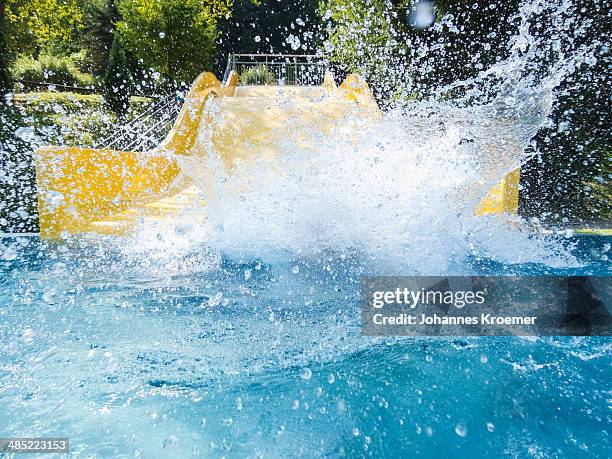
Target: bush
257	75
49	68
65	118
80	59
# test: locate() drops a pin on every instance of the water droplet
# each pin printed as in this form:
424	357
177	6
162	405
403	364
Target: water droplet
247	274
257	38
25	133
227	422
48	295
10	253
294	42
239	404
331	378
162	35
214	300
58	268
295	269
306	374
461	429
171	442
490	426
28	335
54	199
421	15
295	405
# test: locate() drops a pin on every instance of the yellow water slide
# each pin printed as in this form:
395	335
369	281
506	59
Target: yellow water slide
109	191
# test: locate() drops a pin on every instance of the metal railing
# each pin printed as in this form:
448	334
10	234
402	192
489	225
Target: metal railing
277	69
146	130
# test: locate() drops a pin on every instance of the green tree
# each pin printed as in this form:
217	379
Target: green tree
357	32
369	38
175	37
4	62
117	81
375	38
97	33
35	25
269	26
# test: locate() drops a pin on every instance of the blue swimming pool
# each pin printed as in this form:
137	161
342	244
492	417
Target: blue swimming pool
214	355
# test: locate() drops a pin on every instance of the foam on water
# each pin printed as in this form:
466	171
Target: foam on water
402	191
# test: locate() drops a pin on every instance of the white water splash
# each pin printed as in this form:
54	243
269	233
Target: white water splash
402	192
399	191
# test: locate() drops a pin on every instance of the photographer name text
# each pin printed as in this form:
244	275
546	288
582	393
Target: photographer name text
435	319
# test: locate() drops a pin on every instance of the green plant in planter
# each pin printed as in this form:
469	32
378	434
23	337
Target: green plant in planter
257	75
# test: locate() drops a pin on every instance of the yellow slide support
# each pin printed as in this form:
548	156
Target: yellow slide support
106	191
79	188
